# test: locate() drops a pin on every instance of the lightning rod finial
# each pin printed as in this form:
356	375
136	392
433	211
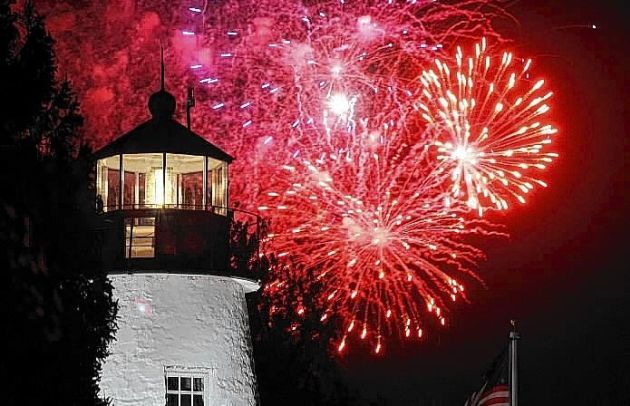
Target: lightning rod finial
161	67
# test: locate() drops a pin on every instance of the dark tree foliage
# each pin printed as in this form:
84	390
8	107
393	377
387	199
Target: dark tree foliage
56	304
294	361
245	235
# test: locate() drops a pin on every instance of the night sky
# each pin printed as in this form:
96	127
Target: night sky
563	272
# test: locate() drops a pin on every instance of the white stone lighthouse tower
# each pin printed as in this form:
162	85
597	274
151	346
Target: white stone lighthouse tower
183	333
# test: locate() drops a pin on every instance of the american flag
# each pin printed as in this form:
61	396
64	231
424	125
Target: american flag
495	390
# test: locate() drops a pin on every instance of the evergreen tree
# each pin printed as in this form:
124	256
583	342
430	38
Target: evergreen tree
55	301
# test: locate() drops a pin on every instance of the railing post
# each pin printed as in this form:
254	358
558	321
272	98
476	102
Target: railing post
204	199
121	182
164	179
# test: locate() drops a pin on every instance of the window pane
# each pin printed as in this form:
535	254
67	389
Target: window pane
142	186
172	383
186	400
191	186
209	182
185	383
198	384
143	180
217	185
171	399
113	188
184	181
197	400
108	182
130	188
102	182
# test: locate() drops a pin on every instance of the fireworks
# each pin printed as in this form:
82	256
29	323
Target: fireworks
270	73
374	227
370	149
486	116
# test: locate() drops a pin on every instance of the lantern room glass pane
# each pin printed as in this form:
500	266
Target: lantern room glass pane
108	182
130	190
184	181
217	188
143	182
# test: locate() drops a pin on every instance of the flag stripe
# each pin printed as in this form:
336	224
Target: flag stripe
497	396
497	402
495	390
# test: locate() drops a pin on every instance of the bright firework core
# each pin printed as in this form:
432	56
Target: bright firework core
370	233
380	236
339	104
464	155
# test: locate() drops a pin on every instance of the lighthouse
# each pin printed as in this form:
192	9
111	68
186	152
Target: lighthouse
183	333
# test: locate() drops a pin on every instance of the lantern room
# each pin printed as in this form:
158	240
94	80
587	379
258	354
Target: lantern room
162	164
153	180
163	191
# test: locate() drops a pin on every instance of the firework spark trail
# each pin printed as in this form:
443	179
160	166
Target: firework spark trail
373	225
486	116
274	70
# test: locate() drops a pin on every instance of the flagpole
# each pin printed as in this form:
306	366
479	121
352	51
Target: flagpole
514	336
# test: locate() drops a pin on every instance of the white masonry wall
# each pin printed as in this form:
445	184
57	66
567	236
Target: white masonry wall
182	321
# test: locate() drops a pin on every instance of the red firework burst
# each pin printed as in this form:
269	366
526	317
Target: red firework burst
366	214
486	118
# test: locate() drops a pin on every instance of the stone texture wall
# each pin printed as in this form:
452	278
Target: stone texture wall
182	321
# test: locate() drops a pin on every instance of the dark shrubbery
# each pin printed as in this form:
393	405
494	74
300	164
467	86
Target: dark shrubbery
57	310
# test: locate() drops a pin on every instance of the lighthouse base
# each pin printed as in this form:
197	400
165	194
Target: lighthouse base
181	340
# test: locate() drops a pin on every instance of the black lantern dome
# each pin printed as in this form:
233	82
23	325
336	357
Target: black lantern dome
162	104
